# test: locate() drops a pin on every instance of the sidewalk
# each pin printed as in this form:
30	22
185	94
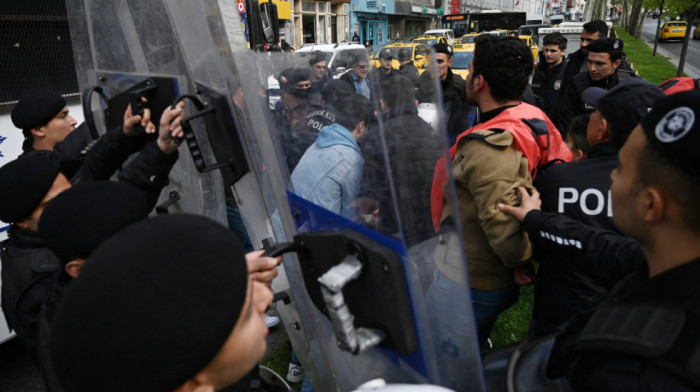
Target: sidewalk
687	68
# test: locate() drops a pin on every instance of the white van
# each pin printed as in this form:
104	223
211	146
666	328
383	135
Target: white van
447	33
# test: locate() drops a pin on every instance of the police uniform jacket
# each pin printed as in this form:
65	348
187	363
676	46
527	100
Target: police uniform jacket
28	267
572	105
579	190
547	84
454	97
589	353
576	63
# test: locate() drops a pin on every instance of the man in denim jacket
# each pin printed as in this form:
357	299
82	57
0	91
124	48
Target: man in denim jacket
329	172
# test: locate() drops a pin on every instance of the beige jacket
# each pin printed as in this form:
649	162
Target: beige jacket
487	172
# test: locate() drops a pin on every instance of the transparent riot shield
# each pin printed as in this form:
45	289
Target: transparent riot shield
125	50
341	183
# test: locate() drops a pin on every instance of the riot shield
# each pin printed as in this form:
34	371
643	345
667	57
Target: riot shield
124	51
341	183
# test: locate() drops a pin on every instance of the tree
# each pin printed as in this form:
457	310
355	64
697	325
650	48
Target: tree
689	9
656	5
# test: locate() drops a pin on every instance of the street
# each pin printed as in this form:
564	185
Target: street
672	49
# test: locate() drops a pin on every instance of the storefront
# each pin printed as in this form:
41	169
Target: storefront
322	22
412	18
370	19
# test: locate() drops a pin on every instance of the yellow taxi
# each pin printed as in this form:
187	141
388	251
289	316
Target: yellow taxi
463	54
673	30
467	40
419	54
531	44
430	40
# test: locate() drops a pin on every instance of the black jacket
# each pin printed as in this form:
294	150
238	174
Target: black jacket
572	105
547	84
576	63
454	96
410	72
412	148
579	190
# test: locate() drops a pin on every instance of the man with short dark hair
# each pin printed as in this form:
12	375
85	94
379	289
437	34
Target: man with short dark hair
489	161
406	66
337	152
319	72
604	59
576	62
548	79
581	190
454	96
643	337
358	76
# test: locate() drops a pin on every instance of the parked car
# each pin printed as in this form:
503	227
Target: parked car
447	33
674	29
532	45
419	54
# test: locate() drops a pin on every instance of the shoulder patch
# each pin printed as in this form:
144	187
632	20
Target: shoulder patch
494	137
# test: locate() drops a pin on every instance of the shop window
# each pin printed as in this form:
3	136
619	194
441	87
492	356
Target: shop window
308	6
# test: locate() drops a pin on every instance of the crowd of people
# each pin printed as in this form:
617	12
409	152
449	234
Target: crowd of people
595	180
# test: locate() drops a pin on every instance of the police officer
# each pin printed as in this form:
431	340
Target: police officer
604	59
548	78
177	285
644	337
32	182
408	70
581	190
454	95
385	69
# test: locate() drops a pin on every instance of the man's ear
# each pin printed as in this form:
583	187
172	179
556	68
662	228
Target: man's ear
655	204
38	131
617	63
478	83
604	134
73	267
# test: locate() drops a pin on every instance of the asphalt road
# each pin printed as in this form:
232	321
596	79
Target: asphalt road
672	49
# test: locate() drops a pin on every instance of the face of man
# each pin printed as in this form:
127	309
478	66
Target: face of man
246	345
443	63
600	66
59	185
626	200
385	64
58	128
318	71
553	56
587	38
361	69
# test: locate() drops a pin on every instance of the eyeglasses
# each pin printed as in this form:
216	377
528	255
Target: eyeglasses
303	85
362	66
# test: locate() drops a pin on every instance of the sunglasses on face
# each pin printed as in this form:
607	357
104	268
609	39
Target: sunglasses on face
362	66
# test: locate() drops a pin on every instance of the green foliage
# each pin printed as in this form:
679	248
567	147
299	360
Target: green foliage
278	358
653	69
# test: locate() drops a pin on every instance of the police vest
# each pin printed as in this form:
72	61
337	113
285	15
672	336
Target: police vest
534	135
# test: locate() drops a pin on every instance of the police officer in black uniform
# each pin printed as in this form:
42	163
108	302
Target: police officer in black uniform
454	93
644	338
408	70
548	79
581	190
604	59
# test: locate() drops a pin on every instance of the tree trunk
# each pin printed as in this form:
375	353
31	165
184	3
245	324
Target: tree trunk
625	14
658	27
635	14
641	23
684	51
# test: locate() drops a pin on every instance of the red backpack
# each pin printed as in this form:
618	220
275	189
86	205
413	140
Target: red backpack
676	85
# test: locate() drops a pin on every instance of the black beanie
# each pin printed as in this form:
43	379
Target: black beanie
78	220
37	109
24	182
152	307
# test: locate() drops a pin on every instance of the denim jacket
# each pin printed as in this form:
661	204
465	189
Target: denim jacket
329	173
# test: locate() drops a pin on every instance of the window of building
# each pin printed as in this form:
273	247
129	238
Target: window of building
308	6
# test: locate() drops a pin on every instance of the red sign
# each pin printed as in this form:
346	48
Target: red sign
241	6
455	5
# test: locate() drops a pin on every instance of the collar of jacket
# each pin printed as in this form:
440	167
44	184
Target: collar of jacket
336	134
